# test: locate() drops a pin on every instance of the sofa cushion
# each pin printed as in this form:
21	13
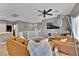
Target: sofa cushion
64	40
61	38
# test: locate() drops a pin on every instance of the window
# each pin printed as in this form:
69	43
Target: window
75	27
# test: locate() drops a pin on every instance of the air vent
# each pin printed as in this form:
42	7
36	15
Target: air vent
14	15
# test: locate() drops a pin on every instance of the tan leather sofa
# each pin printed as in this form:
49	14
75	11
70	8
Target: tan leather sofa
65	47
17	46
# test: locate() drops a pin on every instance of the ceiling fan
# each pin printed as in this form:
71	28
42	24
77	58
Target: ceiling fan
44	12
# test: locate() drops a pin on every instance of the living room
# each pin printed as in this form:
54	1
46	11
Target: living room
21	23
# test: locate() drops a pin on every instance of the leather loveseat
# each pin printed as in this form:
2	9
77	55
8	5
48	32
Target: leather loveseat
17	46
65	47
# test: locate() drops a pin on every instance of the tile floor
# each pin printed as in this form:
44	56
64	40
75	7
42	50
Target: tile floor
3	50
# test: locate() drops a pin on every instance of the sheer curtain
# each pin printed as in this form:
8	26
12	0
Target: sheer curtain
75	27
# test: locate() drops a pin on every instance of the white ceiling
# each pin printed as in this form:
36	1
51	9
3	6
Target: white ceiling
28	11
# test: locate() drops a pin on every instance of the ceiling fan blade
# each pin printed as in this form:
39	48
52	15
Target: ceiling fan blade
49	10
44	12
40	11
44	15
39	14
49	14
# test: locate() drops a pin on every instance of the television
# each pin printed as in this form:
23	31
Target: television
51	26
